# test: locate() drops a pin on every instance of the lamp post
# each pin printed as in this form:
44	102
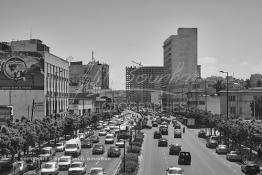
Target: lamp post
124	156
227	91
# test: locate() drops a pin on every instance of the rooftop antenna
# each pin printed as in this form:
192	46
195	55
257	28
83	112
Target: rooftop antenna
30	33
93	58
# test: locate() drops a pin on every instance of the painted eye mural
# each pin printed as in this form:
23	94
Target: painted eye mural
15	68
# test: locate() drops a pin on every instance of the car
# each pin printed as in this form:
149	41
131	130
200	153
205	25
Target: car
174	149
120	143
22	167
102	132
177	126
64	162
113	151
221	149
77	168
94	139
60	147
99	126
97	171
174	171
177	133
212	143
47	153
157	135
163	142
49	168
112	132
86	143
107	128
89	133
123	135
81	136
184	158
234	156
109	139
250	167
98	149
164	131
32	162
202	134
154	124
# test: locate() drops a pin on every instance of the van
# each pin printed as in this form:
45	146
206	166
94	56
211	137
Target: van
7	167
73	147
46	153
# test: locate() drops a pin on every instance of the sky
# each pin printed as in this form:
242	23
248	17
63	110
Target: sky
122	31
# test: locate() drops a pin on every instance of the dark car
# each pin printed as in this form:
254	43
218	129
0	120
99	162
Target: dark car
250	167
211	143
174	149
32	163
94	139
177	133
164	131
154	124
184	158
202	134
98	149
113	151
157	135
163	142
86	143
123	135
177	126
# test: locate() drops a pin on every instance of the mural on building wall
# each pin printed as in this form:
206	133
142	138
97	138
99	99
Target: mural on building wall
22	70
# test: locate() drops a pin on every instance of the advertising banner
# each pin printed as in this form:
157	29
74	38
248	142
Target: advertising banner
21	71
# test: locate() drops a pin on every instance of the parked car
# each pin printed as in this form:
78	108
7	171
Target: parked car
64	162
234	156
221	149
98	149
22	167
94	139
202	134
120	143
164	130
157	135
250	167
97	171
163	142
49	168
102	132
113	151
174	171
184	158
212	143
109	139
77	168
60	147
86	143
177	133
174	149
47	153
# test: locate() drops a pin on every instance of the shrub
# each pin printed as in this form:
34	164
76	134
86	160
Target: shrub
135	143
135	149
131	157
131	166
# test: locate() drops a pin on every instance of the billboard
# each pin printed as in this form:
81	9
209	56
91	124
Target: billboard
21	71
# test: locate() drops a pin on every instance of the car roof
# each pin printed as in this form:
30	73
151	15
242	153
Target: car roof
175	168
47	148
65	157
50	163
77	162
96	168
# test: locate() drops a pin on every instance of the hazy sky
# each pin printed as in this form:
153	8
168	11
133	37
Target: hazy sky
119	31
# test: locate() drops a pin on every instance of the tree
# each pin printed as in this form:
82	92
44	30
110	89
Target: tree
219	86
259	83
247	83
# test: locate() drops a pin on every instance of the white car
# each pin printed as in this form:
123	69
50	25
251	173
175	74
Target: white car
221	149
97	171
107	128
77	168
234	156
64	162
46	153
109	139
60	147
50	168
174	171
120	143
102	132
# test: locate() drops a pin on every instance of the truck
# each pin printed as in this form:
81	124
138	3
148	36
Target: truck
73	147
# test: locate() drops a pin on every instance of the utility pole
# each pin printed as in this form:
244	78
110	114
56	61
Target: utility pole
205	95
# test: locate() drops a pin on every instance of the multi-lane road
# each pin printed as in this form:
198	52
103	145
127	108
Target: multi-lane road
155	160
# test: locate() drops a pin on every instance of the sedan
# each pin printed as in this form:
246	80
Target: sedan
234	156
202	134
98	149
163	142
174	171
97	171
50	168
94	139
157	135
102	132
120	143
250	167
211	144
113	151
86	143
60	147
64	162
77	168
221	149
177	133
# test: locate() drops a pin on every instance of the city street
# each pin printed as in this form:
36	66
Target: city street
204	161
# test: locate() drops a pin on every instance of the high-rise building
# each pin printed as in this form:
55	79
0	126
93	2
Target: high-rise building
33	81
143	82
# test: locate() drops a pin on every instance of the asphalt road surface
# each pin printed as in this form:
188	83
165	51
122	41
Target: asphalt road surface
155	160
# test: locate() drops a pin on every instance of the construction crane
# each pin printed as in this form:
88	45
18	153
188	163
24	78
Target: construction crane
138	63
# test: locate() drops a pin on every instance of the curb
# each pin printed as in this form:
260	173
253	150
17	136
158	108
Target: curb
140	158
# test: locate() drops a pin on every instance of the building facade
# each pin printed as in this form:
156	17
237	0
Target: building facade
32	80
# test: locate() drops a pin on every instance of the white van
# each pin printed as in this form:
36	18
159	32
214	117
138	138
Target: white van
73	147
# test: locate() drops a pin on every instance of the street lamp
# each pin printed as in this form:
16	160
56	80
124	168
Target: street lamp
227	90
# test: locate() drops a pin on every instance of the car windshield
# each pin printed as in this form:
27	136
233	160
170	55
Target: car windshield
48	166
175	171
76	165
109	137
234	152
98	146
63	159
44	151
184	154
96	172
59	144
71	145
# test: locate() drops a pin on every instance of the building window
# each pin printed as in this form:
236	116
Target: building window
232	98
233	110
